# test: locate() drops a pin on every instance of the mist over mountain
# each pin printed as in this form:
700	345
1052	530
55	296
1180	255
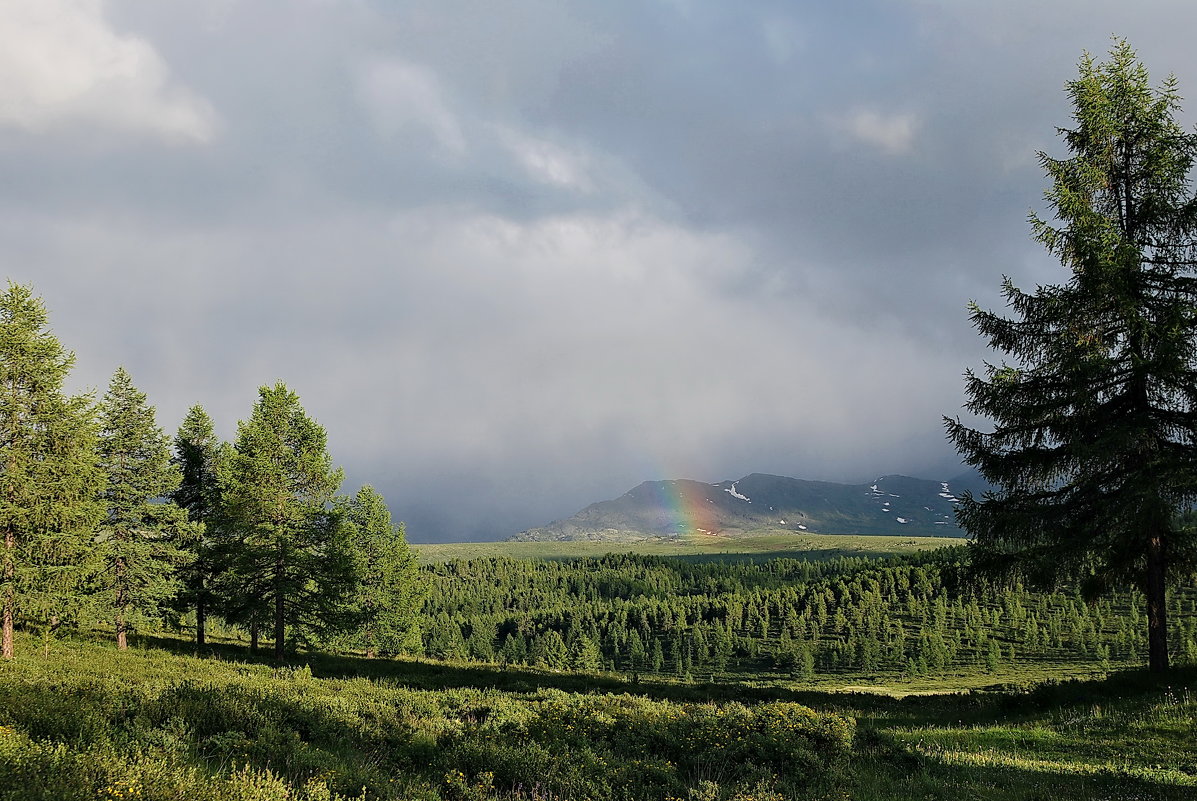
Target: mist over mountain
894	504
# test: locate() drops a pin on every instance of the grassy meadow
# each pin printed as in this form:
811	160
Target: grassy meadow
81	720
752	546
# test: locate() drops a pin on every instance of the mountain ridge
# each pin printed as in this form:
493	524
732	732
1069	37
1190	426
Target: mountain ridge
891	504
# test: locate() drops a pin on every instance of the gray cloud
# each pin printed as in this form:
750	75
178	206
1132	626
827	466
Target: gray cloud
517	262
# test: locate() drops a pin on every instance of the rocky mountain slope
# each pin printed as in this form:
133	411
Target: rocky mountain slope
897	505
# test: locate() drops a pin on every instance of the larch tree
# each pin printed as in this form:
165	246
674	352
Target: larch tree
387	588
197	453
290	563
138	548
49	477
1094	444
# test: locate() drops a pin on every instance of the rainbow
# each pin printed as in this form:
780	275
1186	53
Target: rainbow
687	508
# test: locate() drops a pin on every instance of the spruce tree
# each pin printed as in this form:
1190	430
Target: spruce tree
138	546
197	452
387	592
1094	445
290	563
49	477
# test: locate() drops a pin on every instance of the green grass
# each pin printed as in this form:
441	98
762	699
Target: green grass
1127	736
755	546
85	722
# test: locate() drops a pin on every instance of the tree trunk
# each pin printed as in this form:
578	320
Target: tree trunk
7	649
10	597
279	630
1157	608
201	616
253	636
122	640
49	634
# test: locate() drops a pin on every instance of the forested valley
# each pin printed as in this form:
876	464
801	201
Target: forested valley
910	617
186	618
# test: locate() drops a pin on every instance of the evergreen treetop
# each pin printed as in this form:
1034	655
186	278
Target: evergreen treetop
1094	441
388	587
49	477
138	545
290	563
197	454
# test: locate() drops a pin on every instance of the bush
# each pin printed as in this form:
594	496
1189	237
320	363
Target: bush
597	747
103	725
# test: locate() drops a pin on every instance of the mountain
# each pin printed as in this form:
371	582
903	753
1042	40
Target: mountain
890	505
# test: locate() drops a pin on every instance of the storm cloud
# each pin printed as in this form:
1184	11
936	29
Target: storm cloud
520	257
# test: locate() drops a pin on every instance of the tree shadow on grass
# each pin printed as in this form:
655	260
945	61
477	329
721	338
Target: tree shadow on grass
1012	703
884	772
998	702
429	674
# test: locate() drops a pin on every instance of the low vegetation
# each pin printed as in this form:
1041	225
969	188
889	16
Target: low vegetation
165	720
89	723
85	721
752	546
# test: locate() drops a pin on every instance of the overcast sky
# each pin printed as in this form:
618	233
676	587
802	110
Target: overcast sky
520	256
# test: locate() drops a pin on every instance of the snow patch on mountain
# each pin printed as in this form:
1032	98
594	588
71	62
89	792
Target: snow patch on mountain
732	491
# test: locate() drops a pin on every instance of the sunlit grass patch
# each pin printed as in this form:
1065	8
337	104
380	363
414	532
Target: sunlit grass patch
746	546
87	722
996	757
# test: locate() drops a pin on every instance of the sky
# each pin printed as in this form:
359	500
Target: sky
519	257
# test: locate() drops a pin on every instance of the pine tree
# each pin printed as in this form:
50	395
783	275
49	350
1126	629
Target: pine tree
480	644
549	650
1094	447
804	666
138	544
290	565
584	655
387	587
656	656
993	657
49	478
197	452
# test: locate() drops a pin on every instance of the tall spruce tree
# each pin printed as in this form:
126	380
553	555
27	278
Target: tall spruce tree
49	477
1094	447
290	561
387	593
197	452
138	546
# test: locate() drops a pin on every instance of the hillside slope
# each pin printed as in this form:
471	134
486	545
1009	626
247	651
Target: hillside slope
897	505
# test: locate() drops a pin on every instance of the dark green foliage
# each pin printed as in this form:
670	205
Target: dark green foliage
1094	447
137	547
783	618
290	564
49	479
388	589
197	454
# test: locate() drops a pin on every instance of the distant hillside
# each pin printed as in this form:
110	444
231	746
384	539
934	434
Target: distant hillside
890	505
